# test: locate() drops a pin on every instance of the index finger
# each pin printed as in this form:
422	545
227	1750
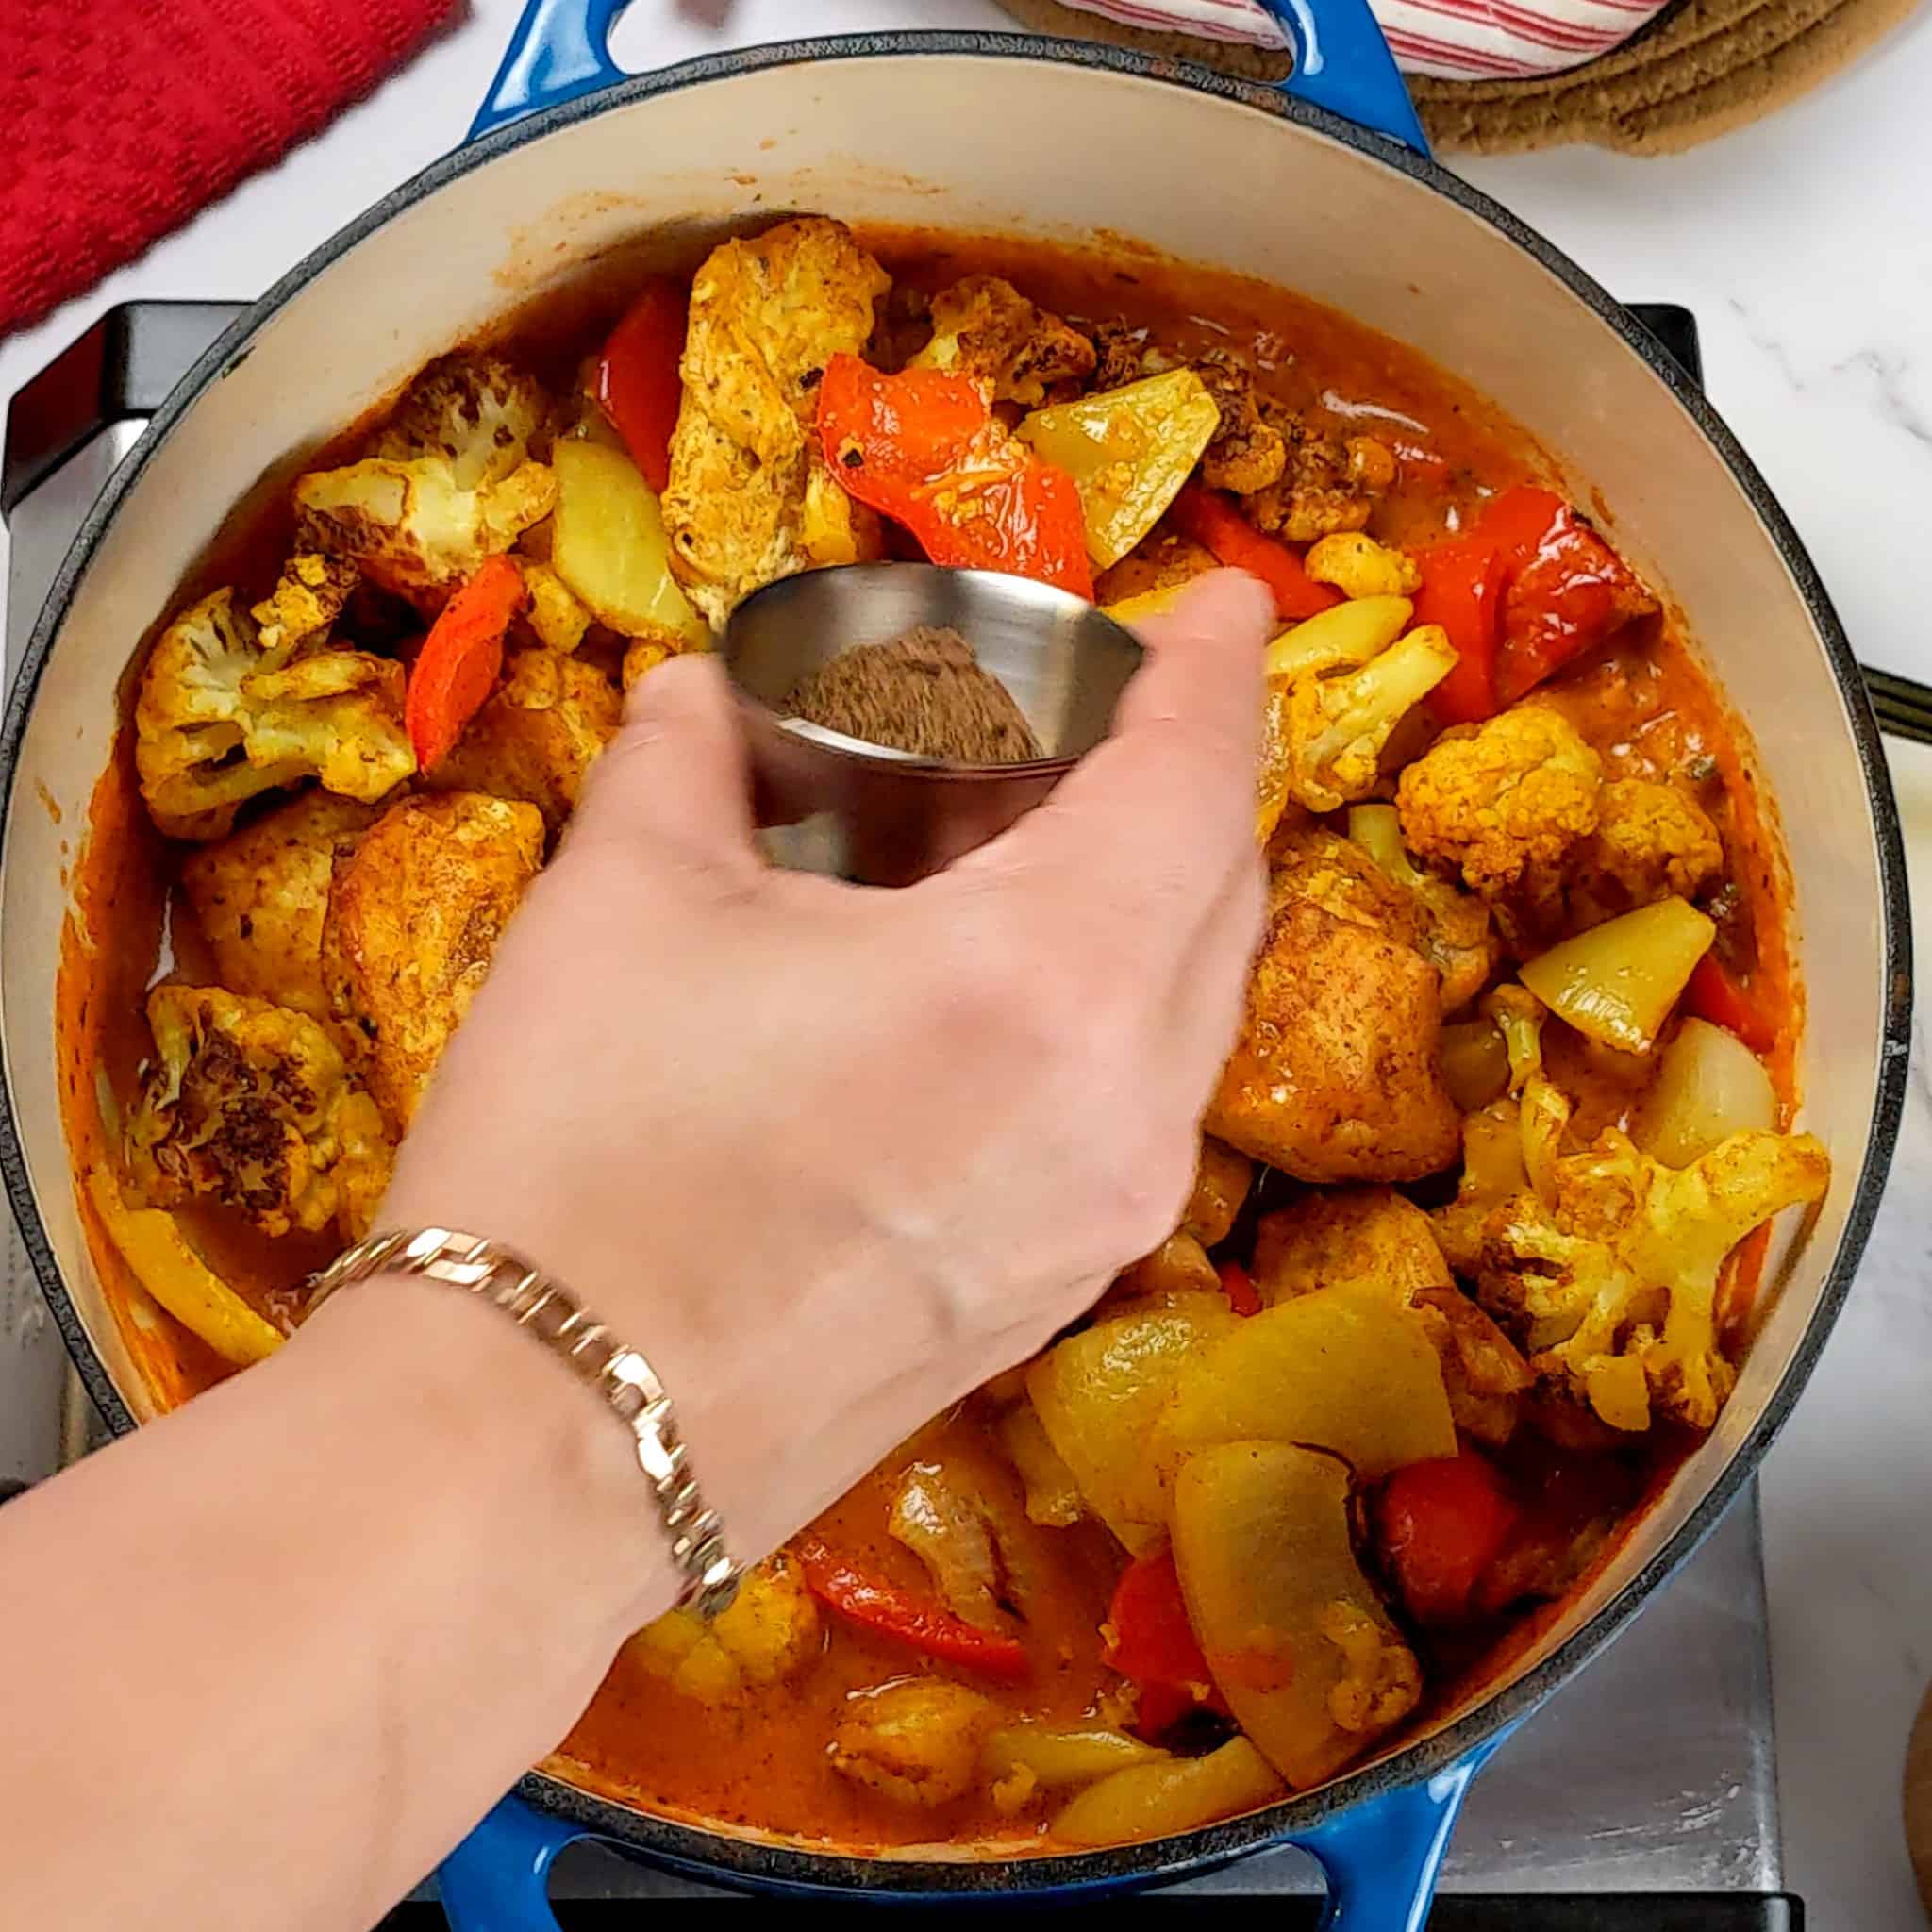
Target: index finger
1167	804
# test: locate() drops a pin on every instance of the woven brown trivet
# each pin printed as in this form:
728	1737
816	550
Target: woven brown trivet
1700	69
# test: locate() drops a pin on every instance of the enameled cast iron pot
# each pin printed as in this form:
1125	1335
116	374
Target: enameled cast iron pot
990	132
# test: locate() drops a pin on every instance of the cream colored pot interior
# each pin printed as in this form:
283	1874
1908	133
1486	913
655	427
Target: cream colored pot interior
1068	153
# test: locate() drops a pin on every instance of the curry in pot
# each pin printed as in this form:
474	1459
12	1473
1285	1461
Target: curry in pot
1473	1240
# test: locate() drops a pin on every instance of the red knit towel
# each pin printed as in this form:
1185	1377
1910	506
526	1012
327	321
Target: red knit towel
120	118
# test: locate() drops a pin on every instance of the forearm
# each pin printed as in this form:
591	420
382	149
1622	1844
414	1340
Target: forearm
304	1632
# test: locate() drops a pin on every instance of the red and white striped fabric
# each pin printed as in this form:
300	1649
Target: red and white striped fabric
1451	39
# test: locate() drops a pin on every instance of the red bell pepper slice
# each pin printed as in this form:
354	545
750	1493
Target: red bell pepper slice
1211	521
1442	1525
1462	591
925	448
1238	1285
1153	1643
926	1627
1714	992
457	668
636	382
1566	589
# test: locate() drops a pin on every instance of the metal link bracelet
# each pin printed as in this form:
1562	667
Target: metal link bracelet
621	1376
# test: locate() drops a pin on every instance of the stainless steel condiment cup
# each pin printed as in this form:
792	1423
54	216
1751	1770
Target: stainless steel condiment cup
881	816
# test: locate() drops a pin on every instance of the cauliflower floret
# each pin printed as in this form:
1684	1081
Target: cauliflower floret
536	735
1357	566
250	1103
917	1742
303	607
984	328
409	526
1614	1282
260	896
1337	726
1652	841
475	411
769	1632
1374	1239
1336	1075
1506	805
1329	484
218	720
555	614
1247	452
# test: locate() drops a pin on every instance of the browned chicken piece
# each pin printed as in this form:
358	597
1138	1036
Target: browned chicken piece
1374	1238
750	499
414	914
1336	1075
1329	484
537	735
1120	354
1248	453
951	1531
260	896
1161	562
984	328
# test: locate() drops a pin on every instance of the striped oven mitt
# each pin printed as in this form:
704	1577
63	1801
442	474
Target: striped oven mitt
1451	40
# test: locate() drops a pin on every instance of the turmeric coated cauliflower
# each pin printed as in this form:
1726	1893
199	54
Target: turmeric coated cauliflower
250	1103
984	328
1652	841
1337	726
302	609
218	720
411	527
1505	803
1328	484
475	411
769	1632
1612	1282
1247	452
1456	938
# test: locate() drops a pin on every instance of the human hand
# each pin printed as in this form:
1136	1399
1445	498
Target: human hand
831	1156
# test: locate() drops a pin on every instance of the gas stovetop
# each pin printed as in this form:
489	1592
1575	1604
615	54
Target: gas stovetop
1643	1795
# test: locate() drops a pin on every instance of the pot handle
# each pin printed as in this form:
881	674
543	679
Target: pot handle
1381	1857
498	1879
561	49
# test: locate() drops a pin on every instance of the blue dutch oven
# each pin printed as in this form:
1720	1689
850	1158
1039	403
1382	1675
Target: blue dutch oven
1324	186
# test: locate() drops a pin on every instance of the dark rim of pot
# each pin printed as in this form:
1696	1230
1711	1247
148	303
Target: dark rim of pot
709	1854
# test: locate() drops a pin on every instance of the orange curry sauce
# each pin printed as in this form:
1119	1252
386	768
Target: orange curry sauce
1642	704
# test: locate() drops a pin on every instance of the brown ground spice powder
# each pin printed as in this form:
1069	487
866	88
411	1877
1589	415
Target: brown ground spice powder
924	693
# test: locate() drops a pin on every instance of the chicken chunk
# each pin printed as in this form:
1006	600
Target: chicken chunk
950	1530
251	1104
260	896
1334	1075
770	1632
984	328
916	1742
1328	483
1506	805
1373	1239
414	914
1248	452
750	499
537	735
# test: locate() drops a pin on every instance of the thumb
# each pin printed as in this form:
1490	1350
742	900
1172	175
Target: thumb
675	772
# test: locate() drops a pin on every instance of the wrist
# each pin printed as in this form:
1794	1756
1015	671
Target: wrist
551	1476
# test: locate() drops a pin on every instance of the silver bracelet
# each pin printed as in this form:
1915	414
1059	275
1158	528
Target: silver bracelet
621	1376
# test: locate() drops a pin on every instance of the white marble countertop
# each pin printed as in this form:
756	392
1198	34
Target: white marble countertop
1803	246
